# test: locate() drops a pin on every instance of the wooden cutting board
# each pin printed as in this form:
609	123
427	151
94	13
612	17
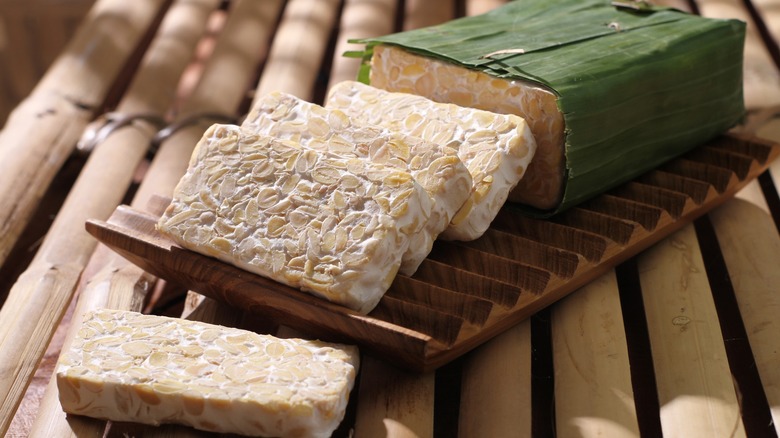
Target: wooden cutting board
467	292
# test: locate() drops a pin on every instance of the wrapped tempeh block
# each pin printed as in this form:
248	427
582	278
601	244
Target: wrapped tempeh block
126	366
496	148
332	226
610	90
436	168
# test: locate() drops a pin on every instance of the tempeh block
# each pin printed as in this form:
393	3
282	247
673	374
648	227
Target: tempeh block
496	148
436	168
332	226
126	366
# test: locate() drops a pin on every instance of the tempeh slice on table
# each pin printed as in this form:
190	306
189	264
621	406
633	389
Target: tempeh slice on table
496	148
436	168
126	366
332	226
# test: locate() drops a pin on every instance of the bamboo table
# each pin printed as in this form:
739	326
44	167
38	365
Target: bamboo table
681	340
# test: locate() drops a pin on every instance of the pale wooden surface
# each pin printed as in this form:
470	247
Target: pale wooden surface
506	387
694	386
593	393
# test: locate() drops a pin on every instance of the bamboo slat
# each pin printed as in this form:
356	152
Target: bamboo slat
751	249
43	129
593	392
393	403
117	283
359	19
695	389
490	406
299	48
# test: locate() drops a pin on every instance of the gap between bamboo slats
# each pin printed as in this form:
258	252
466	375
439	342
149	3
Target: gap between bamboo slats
42	131
117	283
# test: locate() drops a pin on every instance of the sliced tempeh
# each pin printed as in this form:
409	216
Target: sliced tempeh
126	366
436	168
332	226
496	148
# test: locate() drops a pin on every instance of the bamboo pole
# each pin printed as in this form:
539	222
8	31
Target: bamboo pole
41	295
117	283
593	392
494	399
299	48
359	19
42	131
695	387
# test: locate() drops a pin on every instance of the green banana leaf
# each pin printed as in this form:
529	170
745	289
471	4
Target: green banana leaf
637	87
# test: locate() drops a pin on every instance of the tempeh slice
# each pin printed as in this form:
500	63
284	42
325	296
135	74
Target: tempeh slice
126	366
496	148
435	167
329	225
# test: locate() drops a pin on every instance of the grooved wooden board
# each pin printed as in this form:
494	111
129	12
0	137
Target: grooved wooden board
468	292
